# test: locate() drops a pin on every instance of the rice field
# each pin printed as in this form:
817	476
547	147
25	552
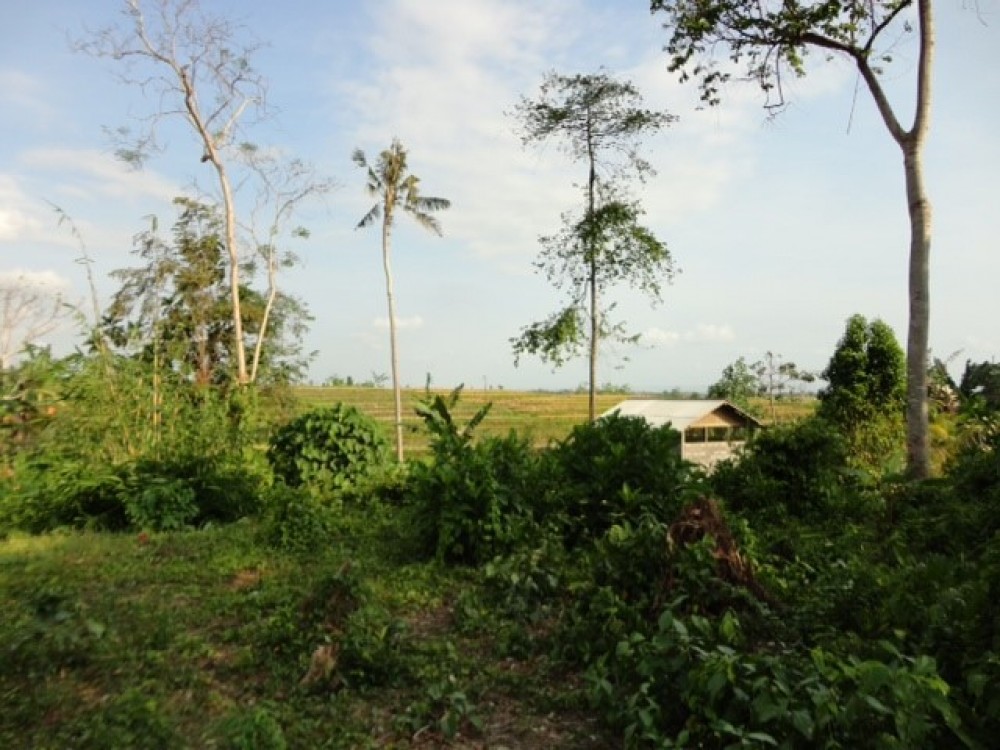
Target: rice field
541	416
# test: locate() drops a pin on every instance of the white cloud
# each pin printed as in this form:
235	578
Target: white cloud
42	279
18	213
89	172
414	321
24	96
658	337
702	333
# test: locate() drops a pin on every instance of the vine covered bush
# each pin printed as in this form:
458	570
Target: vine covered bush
613	470
327	450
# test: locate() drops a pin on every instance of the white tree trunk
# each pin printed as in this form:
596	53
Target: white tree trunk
394	353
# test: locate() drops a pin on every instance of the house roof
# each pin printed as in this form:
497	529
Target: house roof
680	414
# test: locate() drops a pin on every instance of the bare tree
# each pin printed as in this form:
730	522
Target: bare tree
29	310
283	186
198	69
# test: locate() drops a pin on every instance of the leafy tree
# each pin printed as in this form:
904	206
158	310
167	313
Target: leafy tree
866	375
773	39
599	121
981	381
174	309
775	376
200	70
390	182
738	384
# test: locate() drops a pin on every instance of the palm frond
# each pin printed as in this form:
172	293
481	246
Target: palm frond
431	204
358	157
371	217
425	220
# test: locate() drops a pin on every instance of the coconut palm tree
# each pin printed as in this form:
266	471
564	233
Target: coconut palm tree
394	188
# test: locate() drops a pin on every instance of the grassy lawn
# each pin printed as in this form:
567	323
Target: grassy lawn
205	639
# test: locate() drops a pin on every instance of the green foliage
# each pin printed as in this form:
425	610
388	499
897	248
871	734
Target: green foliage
327	450
866	375
473	501
613	470
133	720
799	470
295	520
867	394
52	490
176	309
693	682
162	504
981	382
445	708
251	729
738	385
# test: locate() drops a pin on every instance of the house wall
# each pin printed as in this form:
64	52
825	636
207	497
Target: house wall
709	454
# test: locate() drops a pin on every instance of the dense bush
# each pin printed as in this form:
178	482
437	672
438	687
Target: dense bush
473	501
50	490
127	445
295	520
615	470
799	470
696	682
327	450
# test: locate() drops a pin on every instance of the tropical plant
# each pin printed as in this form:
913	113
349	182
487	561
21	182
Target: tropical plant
327	450
174	310
395	189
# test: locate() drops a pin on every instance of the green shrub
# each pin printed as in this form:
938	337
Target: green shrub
473	501
130	720
223	488
613	471
50	491
295	520
798	469
327	450
252	729
696	682
161	504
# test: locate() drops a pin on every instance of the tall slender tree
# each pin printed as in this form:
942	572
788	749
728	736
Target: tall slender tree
395	189
773	39
599	121
199	70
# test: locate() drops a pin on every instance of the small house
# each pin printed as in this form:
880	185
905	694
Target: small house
711	430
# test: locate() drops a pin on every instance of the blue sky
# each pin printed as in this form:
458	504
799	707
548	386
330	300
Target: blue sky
782	228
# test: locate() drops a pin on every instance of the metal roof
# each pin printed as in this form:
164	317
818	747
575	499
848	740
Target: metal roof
680	414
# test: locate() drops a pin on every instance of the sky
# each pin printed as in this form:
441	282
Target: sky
782	228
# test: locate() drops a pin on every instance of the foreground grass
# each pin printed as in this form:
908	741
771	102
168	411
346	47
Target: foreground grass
203	639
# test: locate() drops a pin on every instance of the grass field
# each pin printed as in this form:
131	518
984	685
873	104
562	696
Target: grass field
202	639
540	415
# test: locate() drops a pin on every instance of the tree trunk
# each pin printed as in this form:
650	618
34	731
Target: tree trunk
591	250
918	461
390	296
911	142
234	273
917	428
272	293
